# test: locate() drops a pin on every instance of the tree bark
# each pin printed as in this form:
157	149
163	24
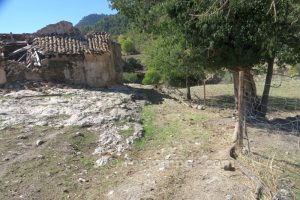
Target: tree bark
263	107
241	111
204	91
235	76
251	99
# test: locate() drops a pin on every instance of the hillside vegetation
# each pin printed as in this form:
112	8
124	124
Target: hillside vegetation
113	24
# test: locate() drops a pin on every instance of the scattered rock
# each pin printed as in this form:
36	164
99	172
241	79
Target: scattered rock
201	107
130	140
229	197
79	134
22	137
82	180
39	142
41	157
65	191
102	161
163	166
138	131
168	157
6	159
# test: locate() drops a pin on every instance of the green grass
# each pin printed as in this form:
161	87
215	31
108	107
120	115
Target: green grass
130	78
81	143
68	96
157	134
149	127
59	117
127	133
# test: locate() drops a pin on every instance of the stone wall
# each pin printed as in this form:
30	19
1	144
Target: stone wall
92	70
2	76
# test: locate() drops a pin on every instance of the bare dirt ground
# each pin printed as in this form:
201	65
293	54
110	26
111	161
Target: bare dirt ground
181	155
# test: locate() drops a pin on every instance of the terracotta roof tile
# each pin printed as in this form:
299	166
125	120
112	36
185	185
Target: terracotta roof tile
97	43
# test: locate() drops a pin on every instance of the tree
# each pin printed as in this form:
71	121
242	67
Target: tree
235	34
172	60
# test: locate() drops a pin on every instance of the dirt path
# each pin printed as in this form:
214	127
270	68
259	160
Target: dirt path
189	166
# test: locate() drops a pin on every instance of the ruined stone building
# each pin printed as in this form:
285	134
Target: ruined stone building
92	60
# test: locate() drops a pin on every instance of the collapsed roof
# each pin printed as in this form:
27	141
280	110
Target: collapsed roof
55	39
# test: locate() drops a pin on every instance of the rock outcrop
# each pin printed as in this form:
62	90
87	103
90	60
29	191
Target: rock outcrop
62	27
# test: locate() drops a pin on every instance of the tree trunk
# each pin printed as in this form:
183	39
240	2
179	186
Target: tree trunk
251	99
188	89
235	76
263	107
204	91
241	111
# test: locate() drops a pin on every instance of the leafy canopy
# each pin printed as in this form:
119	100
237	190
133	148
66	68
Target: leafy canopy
223	33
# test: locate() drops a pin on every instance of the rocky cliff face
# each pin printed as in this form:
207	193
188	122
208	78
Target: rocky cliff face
62	27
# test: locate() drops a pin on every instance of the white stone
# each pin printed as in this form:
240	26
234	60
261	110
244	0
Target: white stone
39	142
102	161
168	157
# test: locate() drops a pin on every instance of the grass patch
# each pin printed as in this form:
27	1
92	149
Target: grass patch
159	131
81	143
59	117
149	127
126	132
68	95
131	78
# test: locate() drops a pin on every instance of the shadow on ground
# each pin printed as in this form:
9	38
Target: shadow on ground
138	93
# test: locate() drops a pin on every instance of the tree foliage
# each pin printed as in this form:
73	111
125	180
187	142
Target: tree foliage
232	34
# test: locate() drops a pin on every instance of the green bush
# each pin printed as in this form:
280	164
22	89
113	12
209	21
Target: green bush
133	77
127	44
152	77
130	77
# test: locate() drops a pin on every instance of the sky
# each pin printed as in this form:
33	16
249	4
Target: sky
28	16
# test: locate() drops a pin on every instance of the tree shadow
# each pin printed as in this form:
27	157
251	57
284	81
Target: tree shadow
282	104
285	105
288	125
278	160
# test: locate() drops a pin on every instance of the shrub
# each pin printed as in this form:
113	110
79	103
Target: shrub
152	77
